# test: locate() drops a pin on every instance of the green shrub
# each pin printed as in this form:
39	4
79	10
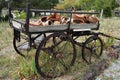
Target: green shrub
4	18
22	15
107	12
109	42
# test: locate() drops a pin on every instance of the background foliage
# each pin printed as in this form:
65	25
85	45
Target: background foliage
97	5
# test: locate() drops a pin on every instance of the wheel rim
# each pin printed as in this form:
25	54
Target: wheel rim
17	44
92	49
55	58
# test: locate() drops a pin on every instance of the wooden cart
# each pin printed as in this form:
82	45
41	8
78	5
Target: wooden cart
55	49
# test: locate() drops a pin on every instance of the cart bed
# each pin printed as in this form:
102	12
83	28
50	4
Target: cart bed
52	28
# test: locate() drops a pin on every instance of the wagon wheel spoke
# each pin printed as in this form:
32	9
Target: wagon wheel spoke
54	57
92	49
96	51
56	44
63	63
46	63
96	48
61	48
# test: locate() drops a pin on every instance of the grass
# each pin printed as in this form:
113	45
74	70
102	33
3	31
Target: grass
12	64
5	35
8	62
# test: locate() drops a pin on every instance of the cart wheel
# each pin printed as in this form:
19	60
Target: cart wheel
20	46
92	49
55	54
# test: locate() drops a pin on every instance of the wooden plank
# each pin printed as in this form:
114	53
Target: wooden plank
55	27
61	27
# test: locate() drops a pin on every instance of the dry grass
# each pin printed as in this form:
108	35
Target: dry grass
111	26
9	60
